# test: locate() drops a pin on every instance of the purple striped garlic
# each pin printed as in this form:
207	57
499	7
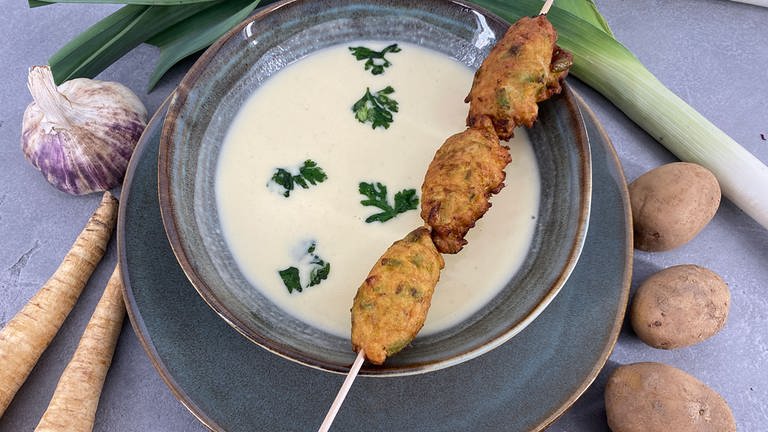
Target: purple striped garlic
81	134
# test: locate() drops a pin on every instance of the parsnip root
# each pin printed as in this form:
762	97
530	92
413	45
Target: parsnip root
29	333
74	403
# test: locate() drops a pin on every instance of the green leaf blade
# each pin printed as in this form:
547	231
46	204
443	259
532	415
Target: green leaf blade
587	11
197	33
106	41
66	60
36	3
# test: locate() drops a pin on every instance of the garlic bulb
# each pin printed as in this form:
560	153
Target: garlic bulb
81	134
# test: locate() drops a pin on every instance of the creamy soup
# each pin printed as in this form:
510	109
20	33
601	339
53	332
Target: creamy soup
305	113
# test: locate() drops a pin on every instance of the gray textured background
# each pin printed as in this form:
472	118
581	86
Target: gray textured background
712	53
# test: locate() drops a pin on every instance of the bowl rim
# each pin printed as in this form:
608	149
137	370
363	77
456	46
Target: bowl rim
168	215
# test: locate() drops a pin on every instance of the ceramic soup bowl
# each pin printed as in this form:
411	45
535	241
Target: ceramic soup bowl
217	86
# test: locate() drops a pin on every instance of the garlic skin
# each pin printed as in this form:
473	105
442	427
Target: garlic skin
81	134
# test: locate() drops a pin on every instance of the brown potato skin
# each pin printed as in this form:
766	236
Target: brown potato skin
390	307
523	68
654	397
680	306
465	171
671	204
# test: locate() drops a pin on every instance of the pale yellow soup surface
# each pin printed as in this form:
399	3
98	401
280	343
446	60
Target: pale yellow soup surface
304	112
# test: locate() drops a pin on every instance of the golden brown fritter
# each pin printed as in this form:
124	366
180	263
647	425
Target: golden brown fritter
391	306
466	170
525	67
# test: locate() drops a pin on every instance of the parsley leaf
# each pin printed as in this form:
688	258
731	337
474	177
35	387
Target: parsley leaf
406	200
376	194
284	179
309	174
291	279
376	108
312	173
317	268
319	273
374	60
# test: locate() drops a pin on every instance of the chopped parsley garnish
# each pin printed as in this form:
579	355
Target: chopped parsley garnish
376	108
374	60
309	174
376	194
291	279
318	271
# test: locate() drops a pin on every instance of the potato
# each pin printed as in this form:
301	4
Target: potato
671	204
654	397
679	306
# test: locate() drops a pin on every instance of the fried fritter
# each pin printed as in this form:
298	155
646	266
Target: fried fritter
465	171
525	67
390	307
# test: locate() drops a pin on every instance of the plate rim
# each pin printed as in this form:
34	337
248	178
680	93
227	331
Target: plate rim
145	339
132	308
628	267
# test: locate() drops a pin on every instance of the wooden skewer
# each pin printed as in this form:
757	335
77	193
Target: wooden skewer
353	371
545	8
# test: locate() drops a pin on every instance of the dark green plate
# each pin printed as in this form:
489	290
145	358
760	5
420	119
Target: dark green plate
232	384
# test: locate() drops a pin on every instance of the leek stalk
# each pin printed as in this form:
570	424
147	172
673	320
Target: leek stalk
196	33
607	66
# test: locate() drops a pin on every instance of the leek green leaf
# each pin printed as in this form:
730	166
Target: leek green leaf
37	3
196	33
74	53
106	41
586	10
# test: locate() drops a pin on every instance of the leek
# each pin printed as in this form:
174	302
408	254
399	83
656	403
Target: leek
607	66
187	38
38	3
106	41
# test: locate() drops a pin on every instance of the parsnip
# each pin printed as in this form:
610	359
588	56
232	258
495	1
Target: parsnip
29	333
74	403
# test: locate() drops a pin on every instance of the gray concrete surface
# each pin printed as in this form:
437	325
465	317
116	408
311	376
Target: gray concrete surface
710	52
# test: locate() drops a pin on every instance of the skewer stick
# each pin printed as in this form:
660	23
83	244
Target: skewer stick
545	8
342	392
